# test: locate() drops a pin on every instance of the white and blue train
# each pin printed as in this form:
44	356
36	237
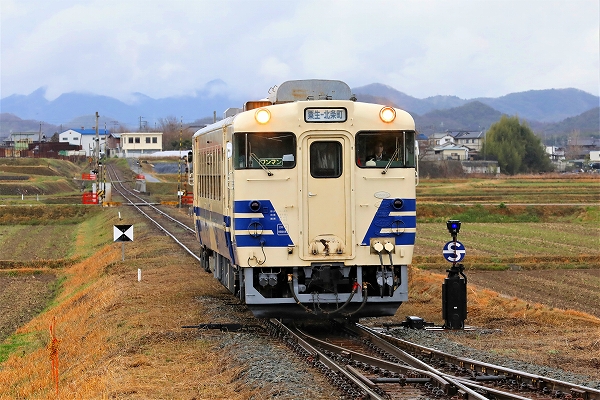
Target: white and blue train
304	202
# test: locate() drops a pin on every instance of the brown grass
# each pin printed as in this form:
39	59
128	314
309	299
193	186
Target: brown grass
120	338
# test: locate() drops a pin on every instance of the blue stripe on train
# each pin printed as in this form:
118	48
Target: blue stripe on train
265	225
222	238
393	225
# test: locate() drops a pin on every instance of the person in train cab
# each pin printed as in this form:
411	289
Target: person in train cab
379	154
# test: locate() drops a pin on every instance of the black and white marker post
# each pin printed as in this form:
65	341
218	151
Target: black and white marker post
454	288
123	233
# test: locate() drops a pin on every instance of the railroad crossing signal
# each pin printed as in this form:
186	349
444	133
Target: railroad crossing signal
454	251
123	233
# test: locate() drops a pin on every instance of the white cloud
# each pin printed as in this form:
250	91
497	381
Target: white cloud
467	48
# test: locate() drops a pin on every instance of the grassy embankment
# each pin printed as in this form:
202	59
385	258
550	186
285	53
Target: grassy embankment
119	337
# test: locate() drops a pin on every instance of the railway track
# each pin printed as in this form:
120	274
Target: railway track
172	223
367	363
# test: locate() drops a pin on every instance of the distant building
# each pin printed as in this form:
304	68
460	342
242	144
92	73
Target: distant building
21	140
580	148
447	151
135	144
555	153
439	139
473	140
113	145
481	167
86	138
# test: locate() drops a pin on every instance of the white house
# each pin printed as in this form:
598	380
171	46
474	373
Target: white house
86	138
555	153
134	144
448	151
440	138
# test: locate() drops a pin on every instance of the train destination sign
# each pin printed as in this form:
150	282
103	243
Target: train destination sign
454	251
325	114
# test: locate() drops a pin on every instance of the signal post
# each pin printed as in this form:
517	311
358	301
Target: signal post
454	288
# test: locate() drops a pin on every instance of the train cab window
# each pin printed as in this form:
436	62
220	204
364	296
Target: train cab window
326	159
381	149
255	150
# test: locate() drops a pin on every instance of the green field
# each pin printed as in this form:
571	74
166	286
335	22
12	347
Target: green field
542	221
555	188
530	222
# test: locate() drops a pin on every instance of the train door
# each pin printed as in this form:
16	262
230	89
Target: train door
326	198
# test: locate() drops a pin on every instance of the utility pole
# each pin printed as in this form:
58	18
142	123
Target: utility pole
97	139
40	142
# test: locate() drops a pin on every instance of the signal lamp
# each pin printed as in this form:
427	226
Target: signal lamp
453	226
262	116
387	114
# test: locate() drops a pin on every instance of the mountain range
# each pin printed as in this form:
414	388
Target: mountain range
548	112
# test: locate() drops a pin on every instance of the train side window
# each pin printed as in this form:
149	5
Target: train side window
273	150
326	159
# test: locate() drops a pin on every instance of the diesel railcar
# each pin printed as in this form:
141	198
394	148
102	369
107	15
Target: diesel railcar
304	202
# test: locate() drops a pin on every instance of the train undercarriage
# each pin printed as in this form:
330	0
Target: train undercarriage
321	290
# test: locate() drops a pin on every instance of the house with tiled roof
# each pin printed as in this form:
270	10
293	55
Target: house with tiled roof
472	139
447	151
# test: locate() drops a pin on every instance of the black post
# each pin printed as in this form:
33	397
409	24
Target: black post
454	288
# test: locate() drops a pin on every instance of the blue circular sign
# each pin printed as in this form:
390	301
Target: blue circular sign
454	252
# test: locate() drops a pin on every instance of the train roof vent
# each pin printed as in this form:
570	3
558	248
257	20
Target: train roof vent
310	89
230	112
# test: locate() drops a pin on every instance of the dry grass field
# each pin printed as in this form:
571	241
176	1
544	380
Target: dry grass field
119	338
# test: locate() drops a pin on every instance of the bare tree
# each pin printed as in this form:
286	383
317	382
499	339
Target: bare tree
574	149
174	133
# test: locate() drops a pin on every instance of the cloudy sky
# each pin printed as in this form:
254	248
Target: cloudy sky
467	48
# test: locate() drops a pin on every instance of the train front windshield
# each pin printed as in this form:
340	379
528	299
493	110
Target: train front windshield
265	149
378	149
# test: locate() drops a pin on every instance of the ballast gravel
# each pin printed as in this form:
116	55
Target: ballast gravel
438	342
266	363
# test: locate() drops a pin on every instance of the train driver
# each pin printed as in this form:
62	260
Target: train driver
378	154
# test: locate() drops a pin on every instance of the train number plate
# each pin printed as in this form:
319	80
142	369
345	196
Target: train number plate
325	114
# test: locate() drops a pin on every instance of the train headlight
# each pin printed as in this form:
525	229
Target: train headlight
254	206
387	114
262	116
397	204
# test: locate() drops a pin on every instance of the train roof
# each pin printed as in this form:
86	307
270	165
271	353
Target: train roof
310	89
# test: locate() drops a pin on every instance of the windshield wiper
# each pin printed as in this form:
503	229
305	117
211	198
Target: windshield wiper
391	159
252	155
